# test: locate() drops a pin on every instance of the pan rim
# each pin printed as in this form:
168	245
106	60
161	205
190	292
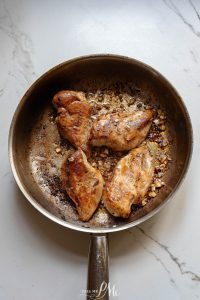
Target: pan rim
70	225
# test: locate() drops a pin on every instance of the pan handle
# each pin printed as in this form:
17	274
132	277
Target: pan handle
98	278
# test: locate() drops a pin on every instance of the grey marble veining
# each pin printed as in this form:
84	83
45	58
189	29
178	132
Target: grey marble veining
21	46
171	5
160	258
176	260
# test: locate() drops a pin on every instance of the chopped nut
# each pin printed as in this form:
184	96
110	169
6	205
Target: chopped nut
100	93
162	165
156	122
58	150
100	163
62	109
159	175
158	184
152	194
148	106
106	151
103	155
164	143
70	159
157	168
153	188
144	202
162	158
162	127
107	165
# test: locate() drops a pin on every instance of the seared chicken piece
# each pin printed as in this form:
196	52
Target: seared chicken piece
121	131
73	118
83	184
130	182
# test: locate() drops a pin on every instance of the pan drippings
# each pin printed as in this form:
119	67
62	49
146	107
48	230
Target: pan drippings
49	149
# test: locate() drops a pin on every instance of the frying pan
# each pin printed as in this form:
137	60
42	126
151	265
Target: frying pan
35	163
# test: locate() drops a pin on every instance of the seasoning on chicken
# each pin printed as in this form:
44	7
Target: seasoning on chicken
83	184
73	119
130	182
121	131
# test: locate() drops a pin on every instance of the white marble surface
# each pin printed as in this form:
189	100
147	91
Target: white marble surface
40	260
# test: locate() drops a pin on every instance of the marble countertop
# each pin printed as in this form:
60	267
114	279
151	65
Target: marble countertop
158	260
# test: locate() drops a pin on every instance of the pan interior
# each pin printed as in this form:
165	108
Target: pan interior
35	136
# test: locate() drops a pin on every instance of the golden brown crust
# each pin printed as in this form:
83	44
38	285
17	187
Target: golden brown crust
121	131
73	119
83	183
130	182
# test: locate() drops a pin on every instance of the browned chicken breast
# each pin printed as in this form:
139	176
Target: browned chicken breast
83	184
73	118
130	182
121	131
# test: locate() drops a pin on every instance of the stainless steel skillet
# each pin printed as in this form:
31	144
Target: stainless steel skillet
35	163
